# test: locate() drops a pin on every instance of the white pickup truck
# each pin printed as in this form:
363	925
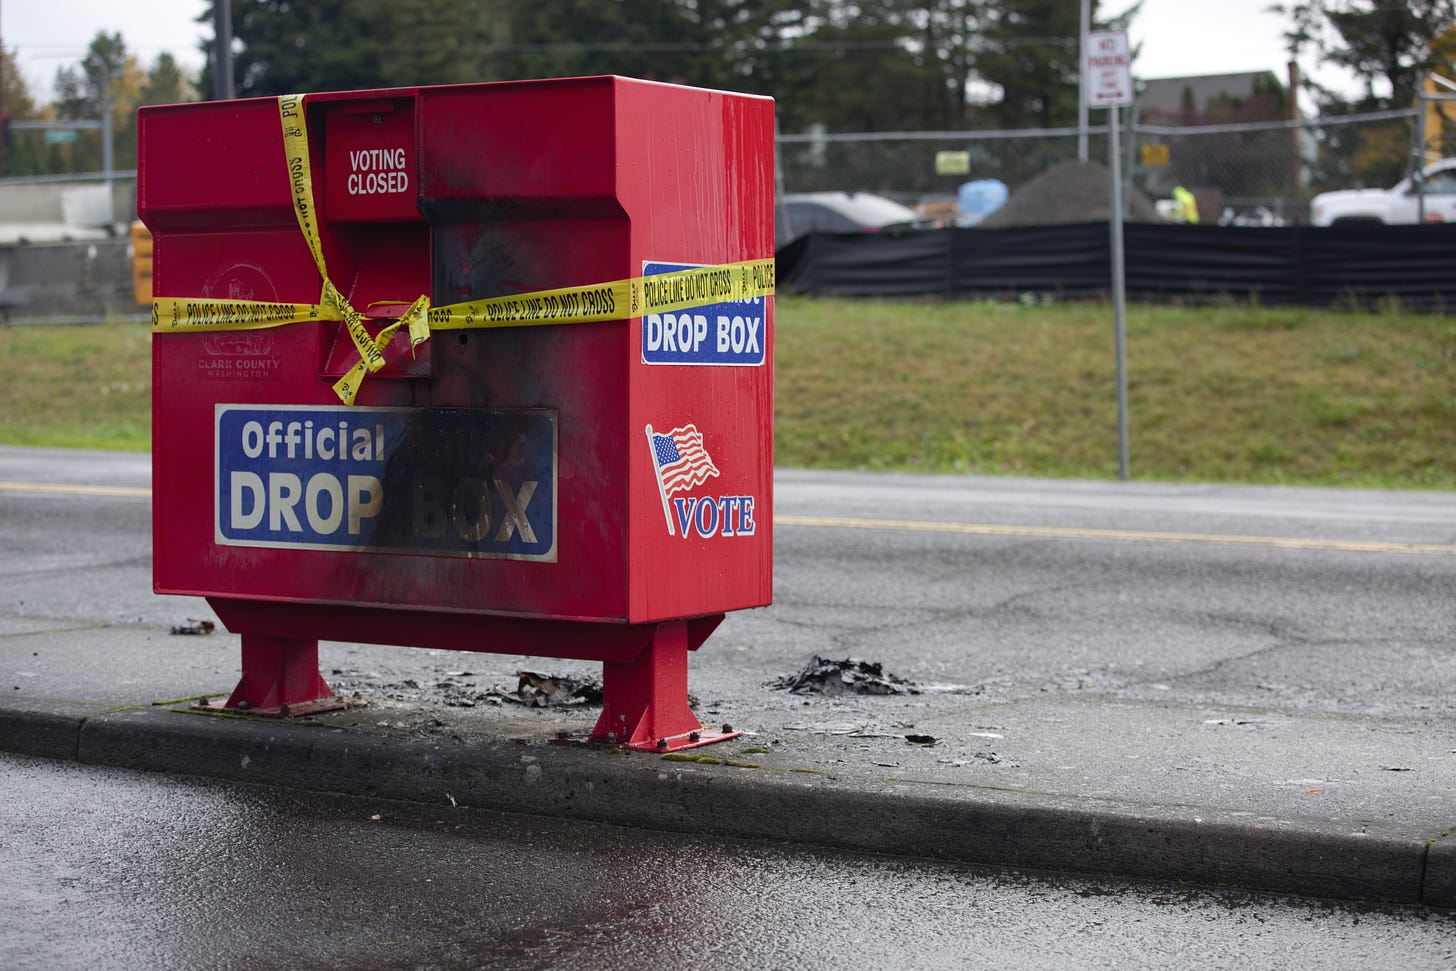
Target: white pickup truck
1398	204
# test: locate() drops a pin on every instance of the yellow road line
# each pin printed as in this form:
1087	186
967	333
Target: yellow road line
1132	535
923	526
63	489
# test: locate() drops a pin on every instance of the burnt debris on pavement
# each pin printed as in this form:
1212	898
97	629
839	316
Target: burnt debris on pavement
847	676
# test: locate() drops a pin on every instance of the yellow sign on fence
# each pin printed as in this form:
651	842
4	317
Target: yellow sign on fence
952	163
1154	155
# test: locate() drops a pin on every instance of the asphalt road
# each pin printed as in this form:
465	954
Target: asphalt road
1261	652
1283	598
102	868
1273	597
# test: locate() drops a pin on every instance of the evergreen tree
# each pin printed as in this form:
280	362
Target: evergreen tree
165	83
864	78
868	65
1031	50
748	45
333	45
107	80
23	152
952	34
1385	44
82	90
649	39
1389	46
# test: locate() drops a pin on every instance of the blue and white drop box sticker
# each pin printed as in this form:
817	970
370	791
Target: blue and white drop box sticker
712	334
444	481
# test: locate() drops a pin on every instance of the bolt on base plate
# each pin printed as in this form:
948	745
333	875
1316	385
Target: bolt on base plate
671	743
297	710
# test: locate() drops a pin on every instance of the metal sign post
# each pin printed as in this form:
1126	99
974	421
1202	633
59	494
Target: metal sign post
1107	73
1119	296
1082	85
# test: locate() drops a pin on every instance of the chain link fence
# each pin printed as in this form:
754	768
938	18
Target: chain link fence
66	252
63	280
1262	173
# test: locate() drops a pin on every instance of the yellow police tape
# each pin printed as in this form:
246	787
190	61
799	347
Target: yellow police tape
616	300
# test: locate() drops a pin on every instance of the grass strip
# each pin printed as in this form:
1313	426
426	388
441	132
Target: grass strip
1222	393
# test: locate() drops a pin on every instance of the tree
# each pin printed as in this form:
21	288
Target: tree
865	77
338	44
1032	51
22	153
333	45
845	65
748	44
106	80
1441	135
921	63
165	83
1385	44
82	90
649	39
1389	47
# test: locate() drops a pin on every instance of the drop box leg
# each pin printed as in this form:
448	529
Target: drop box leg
281	677
645	700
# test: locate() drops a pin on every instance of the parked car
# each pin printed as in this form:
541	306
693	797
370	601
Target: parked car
843	212
1396	205
1249	216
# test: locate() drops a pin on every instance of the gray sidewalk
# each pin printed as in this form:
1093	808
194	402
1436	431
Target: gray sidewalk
1213	792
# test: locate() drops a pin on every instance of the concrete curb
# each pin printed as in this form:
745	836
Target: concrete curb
966	824
1439	886
51	729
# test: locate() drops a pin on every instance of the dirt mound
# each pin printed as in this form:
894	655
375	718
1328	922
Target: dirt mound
1068	192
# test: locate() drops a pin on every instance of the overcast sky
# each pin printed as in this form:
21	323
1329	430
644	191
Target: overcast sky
1178	37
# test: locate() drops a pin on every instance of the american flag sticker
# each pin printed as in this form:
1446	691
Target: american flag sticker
681	462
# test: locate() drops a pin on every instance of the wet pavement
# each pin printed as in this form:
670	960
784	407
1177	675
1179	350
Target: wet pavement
103	868
1247	687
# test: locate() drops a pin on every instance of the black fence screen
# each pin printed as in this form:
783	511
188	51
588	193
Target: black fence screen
1364	265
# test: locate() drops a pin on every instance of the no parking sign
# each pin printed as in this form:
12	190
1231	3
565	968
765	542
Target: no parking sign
1107	66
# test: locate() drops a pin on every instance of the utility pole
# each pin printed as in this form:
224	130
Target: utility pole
3	116
1082	82
107	161
222	50
1296	175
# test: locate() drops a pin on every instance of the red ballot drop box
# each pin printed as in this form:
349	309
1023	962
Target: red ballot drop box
566	452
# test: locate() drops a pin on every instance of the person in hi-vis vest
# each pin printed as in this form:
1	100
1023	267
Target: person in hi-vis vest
1187	211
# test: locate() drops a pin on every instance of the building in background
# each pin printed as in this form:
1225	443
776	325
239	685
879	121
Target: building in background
1235	176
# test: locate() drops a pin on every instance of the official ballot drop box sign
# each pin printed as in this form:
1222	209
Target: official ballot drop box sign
508	483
